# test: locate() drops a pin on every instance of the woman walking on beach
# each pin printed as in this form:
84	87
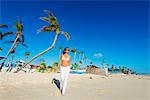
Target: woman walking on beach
64	69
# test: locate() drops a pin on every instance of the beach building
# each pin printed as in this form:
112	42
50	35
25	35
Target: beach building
96	70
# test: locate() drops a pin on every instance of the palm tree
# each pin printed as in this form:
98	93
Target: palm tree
19	36
43	67
74	51
85	58
60	49
103	62
80	63
27	55
79	53
74	66
53	27
19	28
82	55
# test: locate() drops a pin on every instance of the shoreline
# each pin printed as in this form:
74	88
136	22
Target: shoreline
138	74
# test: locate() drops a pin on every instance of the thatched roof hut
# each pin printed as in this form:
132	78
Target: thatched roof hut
96	70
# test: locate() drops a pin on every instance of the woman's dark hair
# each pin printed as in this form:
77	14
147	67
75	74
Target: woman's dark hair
65	50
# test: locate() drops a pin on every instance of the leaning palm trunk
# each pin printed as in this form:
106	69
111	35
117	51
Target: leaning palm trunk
12	47
52	46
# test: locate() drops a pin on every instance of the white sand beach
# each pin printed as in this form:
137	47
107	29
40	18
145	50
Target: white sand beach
38	86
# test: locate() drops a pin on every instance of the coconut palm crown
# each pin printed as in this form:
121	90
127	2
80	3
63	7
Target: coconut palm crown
53	27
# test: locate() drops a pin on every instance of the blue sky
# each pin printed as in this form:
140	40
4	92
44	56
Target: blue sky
116	29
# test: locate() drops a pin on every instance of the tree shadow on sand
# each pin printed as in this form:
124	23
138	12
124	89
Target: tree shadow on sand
57	82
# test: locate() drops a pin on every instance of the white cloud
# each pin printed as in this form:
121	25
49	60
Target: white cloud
98	55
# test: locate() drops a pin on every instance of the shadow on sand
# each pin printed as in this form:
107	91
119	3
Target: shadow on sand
57	82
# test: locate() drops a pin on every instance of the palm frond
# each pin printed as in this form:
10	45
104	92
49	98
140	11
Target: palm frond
18	25
24	44
66	35
52	20
41	29
73	50
46	29
7	33
51	16
8	42
45	19
23	39
3	25
27	53
49	13
1	35
1	49
1	59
